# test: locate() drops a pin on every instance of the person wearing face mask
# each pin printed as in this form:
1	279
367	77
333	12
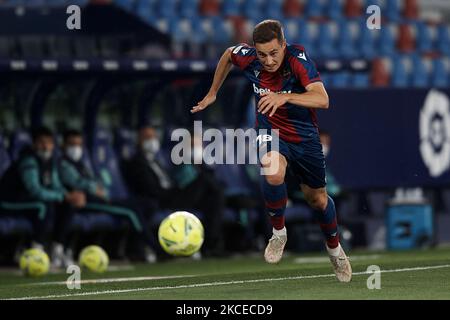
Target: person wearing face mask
32	187
180	187
76	176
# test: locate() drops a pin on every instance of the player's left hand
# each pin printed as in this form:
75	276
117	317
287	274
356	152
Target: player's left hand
271	101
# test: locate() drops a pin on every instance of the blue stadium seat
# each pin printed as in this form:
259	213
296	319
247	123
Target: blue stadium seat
189	9
125	4
234	179
106	164
386	42
443	39
18	140
439	76
274	9
334	10
392	10
399	75
366	42
79	2
230	8
346	41
291	29
88	222
180	29
423	37
125	143
298	213
199	31
420	75
313	8
5	160
341	79
219	30
306	36
14	225
252	9
167	9
326	41
361	80
326	79
56	3
146	11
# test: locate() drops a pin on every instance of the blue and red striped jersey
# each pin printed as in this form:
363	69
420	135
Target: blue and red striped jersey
295	123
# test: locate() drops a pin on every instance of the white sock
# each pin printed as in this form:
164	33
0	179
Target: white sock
335	251
279	233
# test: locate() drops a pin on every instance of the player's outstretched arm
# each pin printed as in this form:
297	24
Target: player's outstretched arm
223	68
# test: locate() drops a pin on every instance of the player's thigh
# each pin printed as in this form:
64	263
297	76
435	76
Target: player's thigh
308	164
274	166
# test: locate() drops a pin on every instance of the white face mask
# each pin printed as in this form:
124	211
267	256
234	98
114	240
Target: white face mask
44	155
151	146
74	153
325	150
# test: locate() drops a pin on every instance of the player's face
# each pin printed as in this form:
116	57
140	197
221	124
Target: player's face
271	54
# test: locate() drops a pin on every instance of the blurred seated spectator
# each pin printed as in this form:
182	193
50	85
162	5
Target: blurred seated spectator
32	188
180	187
75	175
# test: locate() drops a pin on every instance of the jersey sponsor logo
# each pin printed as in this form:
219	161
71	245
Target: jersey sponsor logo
434	128
260	91
236	49
302	55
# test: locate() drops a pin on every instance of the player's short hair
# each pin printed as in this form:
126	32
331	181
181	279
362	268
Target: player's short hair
267	30
40	132
71	133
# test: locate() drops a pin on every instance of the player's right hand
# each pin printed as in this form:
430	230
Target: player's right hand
208	100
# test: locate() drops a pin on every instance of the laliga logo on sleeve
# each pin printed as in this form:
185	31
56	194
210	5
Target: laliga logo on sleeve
434	124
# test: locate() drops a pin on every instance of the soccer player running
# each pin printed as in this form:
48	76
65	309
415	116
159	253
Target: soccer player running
288	90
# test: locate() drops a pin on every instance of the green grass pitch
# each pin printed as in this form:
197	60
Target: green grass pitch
418	274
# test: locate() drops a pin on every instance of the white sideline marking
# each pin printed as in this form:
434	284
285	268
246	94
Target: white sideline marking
109	280
211	284
326	259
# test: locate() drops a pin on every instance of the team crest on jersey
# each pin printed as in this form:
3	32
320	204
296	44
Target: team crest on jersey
302	55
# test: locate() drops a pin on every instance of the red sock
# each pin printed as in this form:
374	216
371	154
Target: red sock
333	242
277	222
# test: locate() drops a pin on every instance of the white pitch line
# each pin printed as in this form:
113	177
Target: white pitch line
211	284
326	259
109	280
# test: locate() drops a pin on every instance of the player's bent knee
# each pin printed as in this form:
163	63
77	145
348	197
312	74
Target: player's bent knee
275	179
318	202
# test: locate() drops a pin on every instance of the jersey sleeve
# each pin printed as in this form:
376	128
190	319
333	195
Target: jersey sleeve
242	55
304	67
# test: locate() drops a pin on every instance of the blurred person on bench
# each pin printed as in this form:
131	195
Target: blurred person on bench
177	187
75	175
32	188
